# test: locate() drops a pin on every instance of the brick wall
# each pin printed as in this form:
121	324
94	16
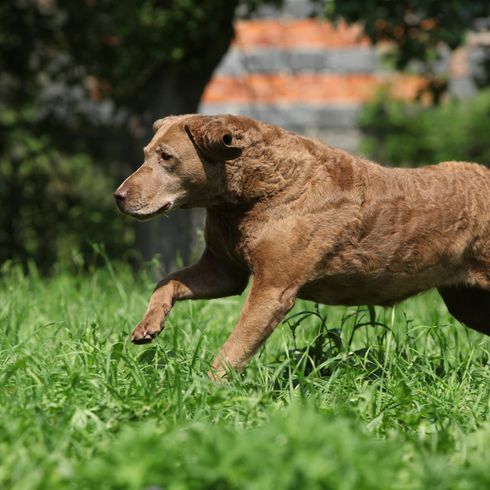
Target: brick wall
309	76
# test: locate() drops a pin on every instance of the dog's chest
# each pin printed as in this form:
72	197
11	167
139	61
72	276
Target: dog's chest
227	239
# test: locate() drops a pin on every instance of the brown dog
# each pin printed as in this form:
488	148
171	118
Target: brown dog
309	221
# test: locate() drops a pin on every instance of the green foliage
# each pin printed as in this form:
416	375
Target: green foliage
416	27
393	398
411	134
118	44
59	157
296	448
416	30
110	49
55	206
58	172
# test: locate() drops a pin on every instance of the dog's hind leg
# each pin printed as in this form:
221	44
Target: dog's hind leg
470	306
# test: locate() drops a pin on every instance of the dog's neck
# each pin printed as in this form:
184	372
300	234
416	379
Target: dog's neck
292	165
266	170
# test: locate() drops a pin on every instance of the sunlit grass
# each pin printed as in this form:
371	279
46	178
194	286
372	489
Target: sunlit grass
338	398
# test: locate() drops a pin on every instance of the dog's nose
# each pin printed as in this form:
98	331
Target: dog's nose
121	194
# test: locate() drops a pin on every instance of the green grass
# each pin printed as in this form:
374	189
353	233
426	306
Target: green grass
339	398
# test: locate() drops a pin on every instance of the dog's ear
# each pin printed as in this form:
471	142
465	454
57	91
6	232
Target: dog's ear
159	123
213	137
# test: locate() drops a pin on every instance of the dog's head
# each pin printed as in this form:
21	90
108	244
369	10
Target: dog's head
183	166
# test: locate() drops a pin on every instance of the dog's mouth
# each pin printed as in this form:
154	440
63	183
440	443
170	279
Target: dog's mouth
142	216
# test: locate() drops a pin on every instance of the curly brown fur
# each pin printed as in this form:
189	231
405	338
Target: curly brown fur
310	221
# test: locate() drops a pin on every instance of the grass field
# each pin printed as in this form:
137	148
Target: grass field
340	398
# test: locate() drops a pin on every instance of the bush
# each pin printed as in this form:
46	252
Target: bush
411	134
54	206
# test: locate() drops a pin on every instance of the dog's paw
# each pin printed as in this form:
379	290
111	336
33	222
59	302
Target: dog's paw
145	332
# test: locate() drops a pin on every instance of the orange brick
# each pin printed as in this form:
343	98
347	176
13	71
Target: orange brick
303	33
307	88
459	63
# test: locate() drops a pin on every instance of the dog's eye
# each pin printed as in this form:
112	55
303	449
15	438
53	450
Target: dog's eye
164	155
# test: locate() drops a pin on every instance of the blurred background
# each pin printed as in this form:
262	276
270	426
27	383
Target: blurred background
81	82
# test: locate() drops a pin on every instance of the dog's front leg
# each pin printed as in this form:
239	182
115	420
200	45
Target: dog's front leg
209	278
265	307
